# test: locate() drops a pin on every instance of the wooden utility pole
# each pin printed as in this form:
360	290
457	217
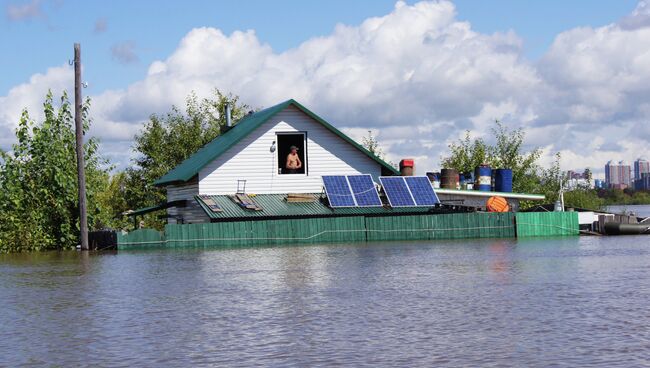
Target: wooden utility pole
79	130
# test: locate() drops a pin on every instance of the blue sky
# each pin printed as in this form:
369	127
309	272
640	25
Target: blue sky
573	73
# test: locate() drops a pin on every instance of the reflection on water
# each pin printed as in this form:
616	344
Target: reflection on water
539	302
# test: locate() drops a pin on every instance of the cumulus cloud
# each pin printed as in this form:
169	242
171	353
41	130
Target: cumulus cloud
30	96
24	11
639	18
417	67
124	52
419	78
101	25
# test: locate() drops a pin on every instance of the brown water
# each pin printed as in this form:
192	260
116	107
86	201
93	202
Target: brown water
550	302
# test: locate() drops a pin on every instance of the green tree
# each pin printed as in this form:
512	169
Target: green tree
371	143
507	152
583	198
467	154
549	180
167	140
38	181
112	202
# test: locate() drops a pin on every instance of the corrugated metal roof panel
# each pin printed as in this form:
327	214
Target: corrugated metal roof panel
191	166
276	206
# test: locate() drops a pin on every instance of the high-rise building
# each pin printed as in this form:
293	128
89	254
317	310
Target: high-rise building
618	176
643	183
641	166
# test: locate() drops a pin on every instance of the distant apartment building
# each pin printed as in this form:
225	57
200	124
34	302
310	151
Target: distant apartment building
641	166
575	180
618	175
600	184
574	175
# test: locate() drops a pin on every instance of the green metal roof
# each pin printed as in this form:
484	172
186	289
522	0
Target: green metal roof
158	207
276	206
192	165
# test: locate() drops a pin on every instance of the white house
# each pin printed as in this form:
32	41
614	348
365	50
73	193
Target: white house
251	157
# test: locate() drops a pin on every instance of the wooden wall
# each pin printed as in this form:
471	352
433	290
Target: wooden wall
192	213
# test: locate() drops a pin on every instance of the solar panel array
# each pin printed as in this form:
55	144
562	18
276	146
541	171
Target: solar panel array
360	191
409	191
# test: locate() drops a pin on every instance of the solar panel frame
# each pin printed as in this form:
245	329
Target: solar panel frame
404	195
338	196
422	191
367	196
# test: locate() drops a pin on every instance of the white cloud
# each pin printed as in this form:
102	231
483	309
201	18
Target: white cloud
30	96
639	18
24	11
419	78
125	52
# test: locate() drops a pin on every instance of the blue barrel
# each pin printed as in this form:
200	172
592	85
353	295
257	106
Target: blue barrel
503	180
483	178
469	177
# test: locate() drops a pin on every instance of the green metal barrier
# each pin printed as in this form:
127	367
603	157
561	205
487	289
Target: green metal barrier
530	224
328	229
140	238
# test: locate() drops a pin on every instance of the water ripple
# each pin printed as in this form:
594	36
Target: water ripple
547	302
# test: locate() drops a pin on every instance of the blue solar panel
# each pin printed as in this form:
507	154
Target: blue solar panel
397	192
364	190
422	191
338	191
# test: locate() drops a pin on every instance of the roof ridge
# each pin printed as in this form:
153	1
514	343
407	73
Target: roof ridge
190	167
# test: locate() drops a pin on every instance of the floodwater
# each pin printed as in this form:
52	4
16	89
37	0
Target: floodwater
563	302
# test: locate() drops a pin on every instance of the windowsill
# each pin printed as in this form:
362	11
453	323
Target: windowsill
290	175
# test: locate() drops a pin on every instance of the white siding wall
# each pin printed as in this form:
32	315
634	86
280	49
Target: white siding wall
251	160
192	213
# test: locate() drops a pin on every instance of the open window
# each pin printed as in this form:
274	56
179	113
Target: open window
288	163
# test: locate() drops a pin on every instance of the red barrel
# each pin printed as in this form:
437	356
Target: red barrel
407	167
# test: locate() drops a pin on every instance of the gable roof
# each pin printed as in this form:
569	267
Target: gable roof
193	164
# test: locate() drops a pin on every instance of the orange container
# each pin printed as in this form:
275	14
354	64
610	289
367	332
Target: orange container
497	204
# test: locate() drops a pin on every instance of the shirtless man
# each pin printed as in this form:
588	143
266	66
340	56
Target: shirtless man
293	161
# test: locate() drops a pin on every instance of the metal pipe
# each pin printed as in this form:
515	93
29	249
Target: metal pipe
79	133
228	115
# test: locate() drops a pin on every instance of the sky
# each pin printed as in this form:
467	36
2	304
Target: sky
575	75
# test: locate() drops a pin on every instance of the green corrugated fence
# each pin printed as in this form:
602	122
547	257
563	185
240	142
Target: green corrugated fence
547	224
141	237
452	226
328	229
267	232
356	229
